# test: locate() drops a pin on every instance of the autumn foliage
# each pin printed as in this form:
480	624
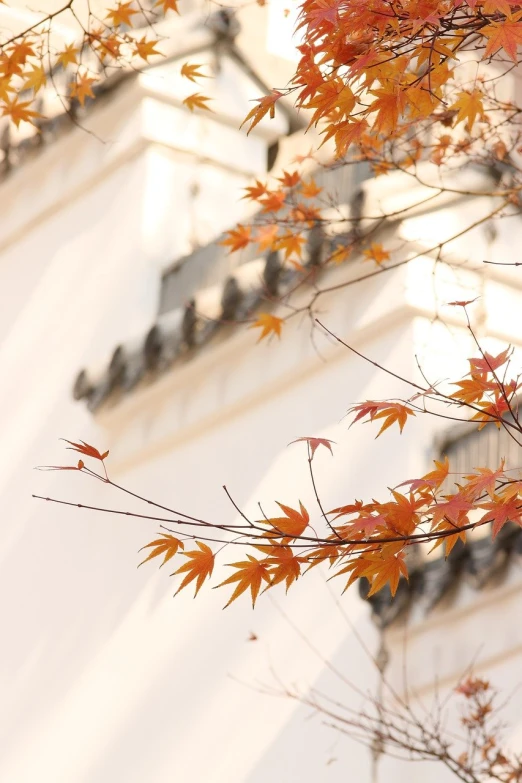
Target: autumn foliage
393	83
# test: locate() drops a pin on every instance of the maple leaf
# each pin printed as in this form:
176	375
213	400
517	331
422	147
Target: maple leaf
18	111
321	555
5	88
255	192
197	101
402	516
505	35
167	545
289	179
292	244
86	449
68	56
284	565
471	686
293	524
488	363
199	567
237	238
462	303
469	105
472	389
340	254
82	88
376	253
121	15
145	49
251	574
500	512
35	79
310	189
266	106
384	566
391	412
484	480
269	324
273	201
168	5
390	103
20	51
266	237
314	444
454	508
191	72
434	479
491	412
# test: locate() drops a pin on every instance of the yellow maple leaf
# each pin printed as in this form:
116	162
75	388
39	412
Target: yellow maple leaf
340	254
35	79
145	49
121	15
5	88
469	105
376	253
266	237
192	72
18	111
291	244
269	324
82	88
68	56
197	101
168	5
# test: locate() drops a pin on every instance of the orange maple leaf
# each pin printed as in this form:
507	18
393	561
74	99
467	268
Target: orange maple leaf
391	412
488	363
266	106
251	574
506	35
199	567
293	524
237	238
376	253
197	101
86	449
18	111
285	566
273	201
289	179
266	237
269	324
167	545
310	189
292	244
501	512
255	192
